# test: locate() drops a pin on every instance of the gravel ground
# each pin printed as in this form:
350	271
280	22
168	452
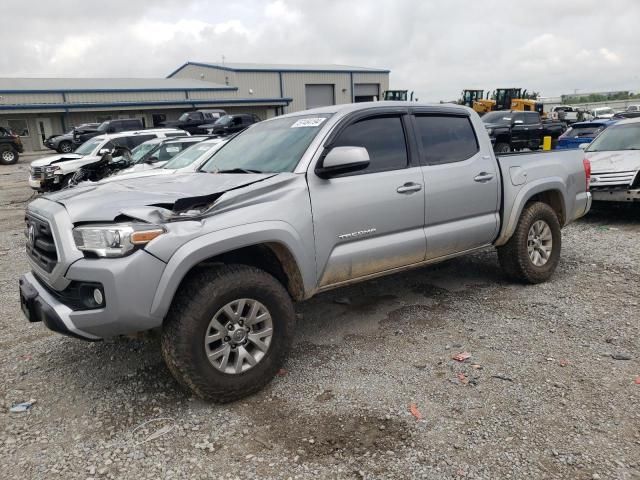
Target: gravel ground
540	397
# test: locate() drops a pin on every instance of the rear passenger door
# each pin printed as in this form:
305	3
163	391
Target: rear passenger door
534	128
372	220
462	187
519	131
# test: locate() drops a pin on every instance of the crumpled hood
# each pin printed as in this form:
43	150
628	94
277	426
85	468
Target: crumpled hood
51	159
621	161
103	202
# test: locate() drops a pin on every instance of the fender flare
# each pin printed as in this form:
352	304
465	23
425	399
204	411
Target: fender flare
510	218
222	241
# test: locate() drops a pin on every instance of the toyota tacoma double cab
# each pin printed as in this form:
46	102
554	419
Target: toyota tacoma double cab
290	207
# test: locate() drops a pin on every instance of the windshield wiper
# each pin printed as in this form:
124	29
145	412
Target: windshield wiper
238	170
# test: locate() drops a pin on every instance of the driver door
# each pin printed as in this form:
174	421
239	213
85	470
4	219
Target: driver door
372	220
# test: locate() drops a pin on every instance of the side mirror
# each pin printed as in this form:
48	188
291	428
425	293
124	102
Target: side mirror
152	159
518	122
583	146
104	151
343	160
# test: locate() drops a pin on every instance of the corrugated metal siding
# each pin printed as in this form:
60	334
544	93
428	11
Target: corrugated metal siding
212	95
117	97
263	85
294	87
29	98
380	78
207	74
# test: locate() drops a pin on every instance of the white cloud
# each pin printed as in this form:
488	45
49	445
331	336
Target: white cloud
434	48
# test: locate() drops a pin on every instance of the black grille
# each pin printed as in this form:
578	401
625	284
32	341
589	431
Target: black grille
41	246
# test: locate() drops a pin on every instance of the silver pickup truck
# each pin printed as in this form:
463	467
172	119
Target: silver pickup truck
291	207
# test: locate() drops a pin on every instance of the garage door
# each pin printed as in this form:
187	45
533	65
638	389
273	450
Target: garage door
365	92
319	95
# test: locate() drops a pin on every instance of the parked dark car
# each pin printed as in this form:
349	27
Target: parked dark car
10	146
626	114
191	121
230	124
582	132
109	126
516	130
64	143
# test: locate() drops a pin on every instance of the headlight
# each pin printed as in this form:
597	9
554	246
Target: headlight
116	240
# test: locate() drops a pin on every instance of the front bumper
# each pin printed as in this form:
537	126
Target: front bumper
129	285
616	195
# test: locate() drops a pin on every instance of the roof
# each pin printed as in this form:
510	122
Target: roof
627	121
597	121
282	67
345	108
41	84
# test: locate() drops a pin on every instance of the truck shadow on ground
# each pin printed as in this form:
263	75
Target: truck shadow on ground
625	216
420	296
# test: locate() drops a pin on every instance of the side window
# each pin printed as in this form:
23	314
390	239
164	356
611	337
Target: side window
446	138
517	118
531	118
384	139
133	142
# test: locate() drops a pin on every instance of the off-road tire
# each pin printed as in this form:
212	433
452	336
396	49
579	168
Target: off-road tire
502	148
8	156
62	145
514	256
199	297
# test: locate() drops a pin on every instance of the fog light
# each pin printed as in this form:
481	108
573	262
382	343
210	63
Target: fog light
97	296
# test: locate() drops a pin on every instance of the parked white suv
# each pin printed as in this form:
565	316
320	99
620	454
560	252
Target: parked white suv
54	171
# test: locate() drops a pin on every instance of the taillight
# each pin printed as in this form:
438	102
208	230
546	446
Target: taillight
587	171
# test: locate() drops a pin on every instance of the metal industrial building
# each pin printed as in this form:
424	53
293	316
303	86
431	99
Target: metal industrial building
39	107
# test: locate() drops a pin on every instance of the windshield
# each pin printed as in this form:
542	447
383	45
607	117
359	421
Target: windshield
604	111
189	155
224	120
183	117
499	118
273	146
89	146
586	131
103	127
139	153
617	137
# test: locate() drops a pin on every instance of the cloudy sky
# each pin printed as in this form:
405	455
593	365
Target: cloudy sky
435	48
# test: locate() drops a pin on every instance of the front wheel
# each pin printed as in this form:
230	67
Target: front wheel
8	156
65	147
228	332
532	253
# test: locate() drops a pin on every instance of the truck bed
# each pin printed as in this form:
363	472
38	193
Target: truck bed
560	175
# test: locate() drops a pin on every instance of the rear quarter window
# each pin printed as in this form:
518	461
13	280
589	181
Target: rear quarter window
445	138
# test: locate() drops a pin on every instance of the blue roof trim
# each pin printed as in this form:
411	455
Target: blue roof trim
124	90
67	106
275	70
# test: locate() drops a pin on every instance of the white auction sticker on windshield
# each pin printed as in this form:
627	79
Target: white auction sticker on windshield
308	122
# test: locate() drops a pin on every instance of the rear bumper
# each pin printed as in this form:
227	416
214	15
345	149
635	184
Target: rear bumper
629	195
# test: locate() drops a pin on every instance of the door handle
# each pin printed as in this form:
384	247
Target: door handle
409	187
483	177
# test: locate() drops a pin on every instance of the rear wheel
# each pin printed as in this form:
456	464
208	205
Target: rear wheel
228	332
8	155
65	147
532	254
502	148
